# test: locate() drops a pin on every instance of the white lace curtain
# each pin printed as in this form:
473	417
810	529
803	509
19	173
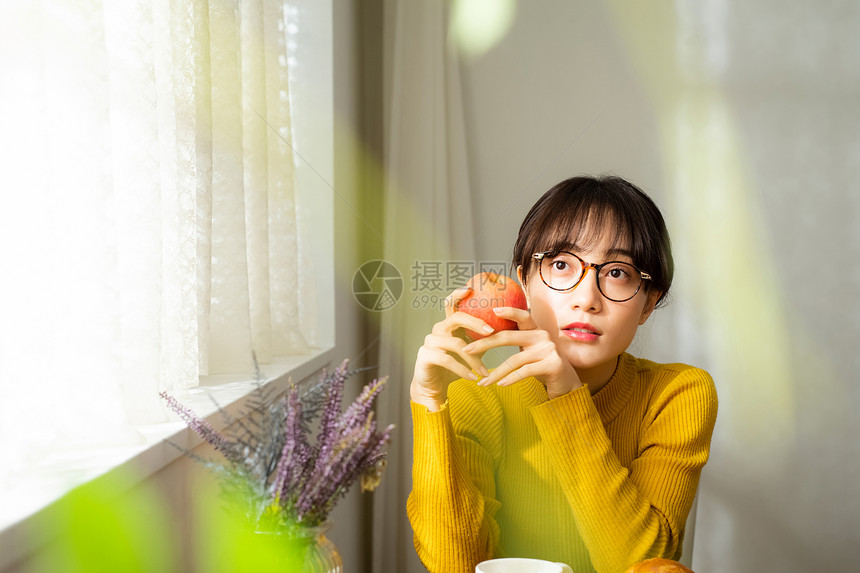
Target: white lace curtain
147	216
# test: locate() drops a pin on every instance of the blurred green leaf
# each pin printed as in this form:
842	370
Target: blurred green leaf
104	527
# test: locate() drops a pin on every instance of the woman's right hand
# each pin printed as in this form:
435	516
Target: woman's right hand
441	359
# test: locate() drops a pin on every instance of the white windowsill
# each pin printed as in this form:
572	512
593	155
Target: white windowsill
33	501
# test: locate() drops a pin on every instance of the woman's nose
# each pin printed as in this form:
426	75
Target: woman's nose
587	295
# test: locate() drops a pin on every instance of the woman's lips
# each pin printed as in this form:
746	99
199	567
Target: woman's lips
581	332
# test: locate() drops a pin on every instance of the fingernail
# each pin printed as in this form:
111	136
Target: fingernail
497	309
472	376
488	329
484	371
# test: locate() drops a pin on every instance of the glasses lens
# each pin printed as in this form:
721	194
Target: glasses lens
619	281
561	271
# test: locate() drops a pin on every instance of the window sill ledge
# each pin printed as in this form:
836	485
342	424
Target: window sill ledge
27	505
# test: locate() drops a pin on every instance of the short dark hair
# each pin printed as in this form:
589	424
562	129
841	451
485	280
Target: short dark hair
576	212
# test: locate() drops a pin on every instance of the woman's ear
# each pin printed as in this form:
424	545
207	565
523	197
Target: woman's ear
650	304
523	283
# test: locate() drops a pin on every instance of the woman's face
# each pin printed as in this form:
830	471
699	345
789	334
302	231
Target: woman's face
589	330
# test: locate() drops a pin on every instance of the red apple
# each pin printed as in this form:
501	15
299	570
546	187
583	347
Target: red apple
658	565
490	290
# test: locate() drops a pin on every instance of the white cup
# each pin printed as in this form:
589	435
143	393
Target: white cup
521	565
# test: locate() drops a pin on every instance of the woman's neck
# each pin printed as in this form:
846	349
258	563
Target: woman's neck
596	378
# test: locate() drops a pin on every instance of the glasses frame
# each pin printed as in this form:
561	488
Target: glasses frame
585	266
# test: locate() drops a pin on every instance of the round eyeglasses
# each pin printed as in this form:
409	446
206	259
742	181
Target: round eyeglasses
617	281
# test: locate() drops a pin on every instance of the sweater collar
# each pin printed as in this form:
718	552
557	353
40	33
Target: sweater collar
610	399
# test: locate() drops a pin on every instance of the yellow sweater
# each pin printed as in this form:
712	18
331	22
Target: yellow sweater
598	482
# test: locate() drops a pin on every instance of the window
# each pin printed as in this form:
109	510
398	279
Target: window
165	214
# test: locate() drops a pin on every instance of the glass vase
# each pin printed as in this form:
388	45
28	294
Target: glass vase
306	550
321	556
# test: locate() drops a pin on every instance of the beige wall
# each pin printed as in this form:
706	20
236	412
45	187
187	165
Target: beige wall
740	119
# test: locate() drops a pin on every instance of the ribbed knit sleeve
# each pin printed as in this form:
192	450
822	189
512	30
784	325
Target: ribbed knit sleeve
628	511
452	503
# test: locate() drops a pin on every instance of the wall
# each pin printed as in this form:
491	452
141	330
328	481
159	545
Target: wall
741	120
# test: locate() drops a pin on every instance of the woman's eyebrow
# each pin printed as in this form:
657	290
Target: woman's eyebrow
576	249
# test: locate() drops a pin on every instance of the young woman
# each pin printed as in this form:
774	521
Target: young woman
572	450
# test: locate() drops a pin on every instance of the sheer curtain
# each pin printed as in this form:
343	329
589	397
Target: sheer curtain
147	215
428	219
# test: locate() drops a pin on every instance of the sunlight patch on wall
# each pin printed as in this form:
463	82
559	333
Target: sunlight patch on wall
724	265
731	276
478	25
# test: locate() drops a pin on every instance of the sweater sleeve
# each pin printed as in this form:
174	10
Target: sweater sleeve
626	515
452	504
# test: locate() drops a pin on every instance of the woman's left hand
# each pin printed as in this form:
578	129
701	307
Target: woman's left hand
538	356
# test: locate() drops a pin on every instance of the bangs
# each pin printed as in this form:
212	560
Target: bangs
582	213
576	222
579	231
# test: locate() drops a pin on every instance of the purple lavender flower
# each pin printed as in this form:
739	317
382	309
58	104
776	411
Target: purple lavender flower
201	427
287	465
277	472
333	399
